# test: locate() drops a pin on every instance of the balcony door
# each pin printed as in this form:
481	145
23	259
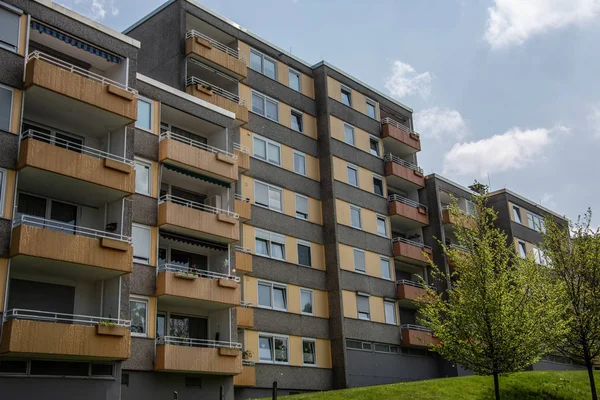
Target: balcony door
186	327
63	213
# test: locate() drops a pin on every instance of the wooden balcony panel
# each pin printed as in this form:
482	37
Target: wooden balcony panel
202	48
240	111
223	291
247	377
409	139
245	317
411	293
418	338
412	176
243	160
243	262
465	221
412	253
416	214
198	360
244	209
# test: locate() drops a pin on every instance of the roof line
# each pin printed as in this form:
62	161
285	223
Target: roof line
148	16
451	182
531	202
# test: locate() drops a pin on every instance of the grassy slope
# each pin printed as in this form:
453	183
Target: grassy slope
552	385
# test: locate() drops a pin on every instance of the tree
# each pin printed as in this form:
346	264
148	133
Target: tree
573	252
501	313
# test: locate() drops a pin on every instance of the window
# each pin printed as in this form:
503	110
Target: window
381	226
374	146
143	174
371	109
538	255
273	349
352	174
306	301
386	273
299	163
144	116
138	313
358	345
535	222
297	121
385	348
268	196
517	214
471	208
409	351
377	185
309	351
294	80
362	303
10	27
2	189
272	295
301	207
347	96
349	134
522	249
304	254
359	261
264	106
355	219
263	64
267	150
141	243
6	96
390	312
270	244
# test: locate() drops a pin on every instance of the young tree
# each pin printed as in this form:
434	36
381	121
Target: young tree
501	312
574	256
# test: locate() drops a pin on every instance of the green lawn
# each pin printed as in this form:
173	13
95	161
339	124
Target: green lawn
552	385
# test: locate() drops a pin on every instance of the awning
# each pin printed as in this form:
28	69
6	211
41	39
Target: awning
195	242
197	176
74	42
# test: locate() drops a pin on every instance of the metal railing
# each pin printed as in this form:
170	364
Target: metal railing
65	227
242	198
195	143
77	70
415	327
217	45
73	319
389	121
241	148
196	272
243	249
408	202
70	145
192	80
411	242
195	205
248	363
458	247
179	341
397	160
246	304
410	283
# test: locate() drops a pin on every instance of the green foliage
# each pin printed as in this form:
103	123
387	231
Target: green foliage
107	323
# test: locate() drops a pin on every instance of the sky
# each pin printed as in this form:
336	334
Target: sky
503	91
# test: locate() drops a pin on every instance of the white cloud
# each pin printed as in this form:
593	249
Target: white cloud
440	123
404	81
94	9
514	149
512	22
548	201
594	120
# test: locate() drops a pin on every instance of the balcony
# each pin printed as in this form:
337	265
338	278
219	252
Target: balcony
399	139
197	220
54	84
41	333
411	252
402	174
76	249
92	175
219	97
190	154
461	253
464	220
243	259
248	375
206	289
410	293
245	315
216	54
243	154
243	207
418	336
174	354
406	214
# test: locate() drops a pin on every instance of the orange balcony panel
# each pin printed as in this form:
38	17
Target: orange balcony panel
412	253
247	377
198	359
202	48
37	338
243	262
244	209
240	111
390	131
407	177
245	317
222	292
411	292
418	338
243	160
405	211
465	221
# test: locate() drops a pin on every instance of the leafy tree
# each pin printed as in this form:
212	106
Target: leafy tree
501	313
573	253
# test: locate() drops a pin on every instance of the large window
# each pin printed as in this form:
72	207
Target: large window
267	150
265	106
377	185
270	244
517	214
535	222
362	303
268	196
306	301
297	122
304	257
6	95
522	249
301	207
355	218
141	243
138	313
352	172
371	109
143	176
381	226
294	77
359	261
145	115
347	96
273	349
389	308
538	255
9	29
263	64
349	134
386	272
309	352
374	146
272	295
299	163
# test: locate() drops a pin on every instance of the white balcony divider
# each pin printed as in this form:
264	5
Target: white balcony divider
404	200
195	143
243	249
248	363
72	319
241	148
410	283
411	242
70	145
191	342
192	80
389	121
217	45
64	227
397	160
197	272
242	198
415	327
246	304
77	70
196	206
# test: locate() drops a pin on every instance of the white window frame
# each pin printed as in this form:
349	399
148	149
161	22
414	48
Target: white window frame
353	144
296	205
18	12
3	175
389	346
274	336
146	300
377	176
376	139
378	218
354	251
363	295
517	214
393	304
314	341
522	247
271	235
533	217
301	114
269	189
151	102
12	100
263	56
149	229
539	255
312	300
148	164
267	142
305	244
265	99
299	75
344	88
300	154
355	169
356	208
374	104
389	263
272	292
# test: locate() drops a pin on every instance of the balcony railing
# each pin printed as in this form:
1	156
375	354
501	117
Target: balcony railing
241	148
73	146
415	328
242	198
196	206
195	143
191	342
242	249
79	71
68	228
72	319
196	272
411	242
410	283
217	45
458	247
192	80
248	363
389	121
404	200
399	161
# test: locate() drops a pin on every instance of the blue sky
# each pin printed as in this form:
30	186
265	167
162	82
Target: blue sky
501	87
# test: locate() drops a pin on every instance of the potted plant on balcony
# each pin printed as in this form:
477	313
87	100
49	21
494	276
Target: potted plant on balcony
110	328
247	354
189	274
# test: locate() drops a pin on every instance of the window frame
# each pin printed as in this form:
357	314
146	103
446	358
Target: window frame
522	248
296	206
353	144
151	102
314	342
269	189
273	337
299	154
299	114
269	242
312	301
147	164
145	300
267	142
380	179
18	12
305	244
362	345
298	74
385	315
356	208
358	312
389	346
389	267
12	101
517	214
533	217
149	229
3	176
272	285
375	139
263	56
353	167
364	257
344	88
378	218
265	98
373	103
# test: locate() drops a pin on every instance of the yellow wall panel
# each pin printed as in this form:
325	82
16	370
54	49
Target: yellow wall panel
244	50
246	139
307	85
336	126
9	195
3	278
349	302
251	344
285	116
373	264
245	93
315	211
343	212
340	172
359	102
334	89
369	221
365	179
287	158
248	238
289	203
15	118
376	307
296	351
294	299
247	187
291	250
152	317
312	168
153	245
282	74
317	252
156	117
346	254
22	35
310	125
321	304
250	290
323	353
